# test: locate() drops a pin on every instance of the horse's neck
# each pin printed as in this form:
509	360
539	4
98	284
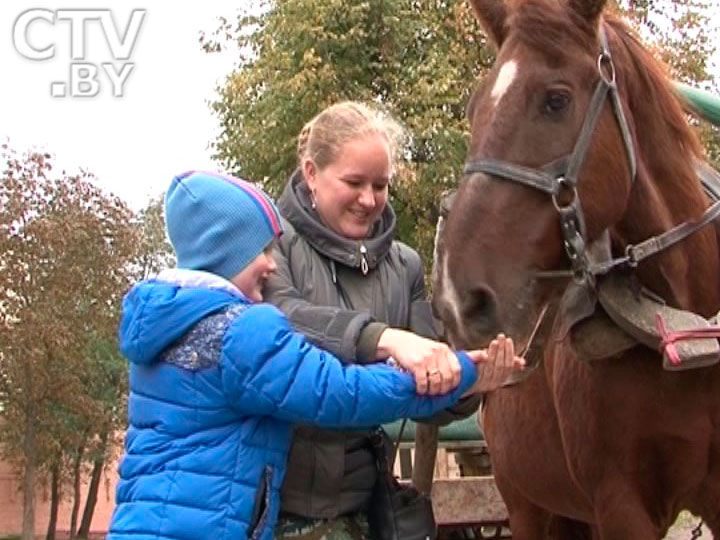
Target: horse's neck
686	275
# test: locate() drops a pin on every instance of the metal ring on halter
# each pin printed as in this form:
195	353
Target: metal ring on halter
564	185
605	59
580	275
631	256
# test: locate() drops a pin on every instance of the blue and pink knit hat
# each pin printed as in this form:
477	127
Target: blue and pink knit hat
217	223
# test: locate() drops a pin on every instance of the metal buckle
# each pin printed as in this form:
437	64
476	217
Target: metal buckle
564	185
631	256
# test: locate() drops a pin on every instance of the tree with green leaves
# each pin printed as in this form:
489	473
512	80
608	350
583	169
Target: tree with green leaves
65	249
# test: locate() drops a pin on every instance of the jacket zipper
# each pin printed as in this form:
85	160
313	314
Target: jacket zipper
363	260
261	511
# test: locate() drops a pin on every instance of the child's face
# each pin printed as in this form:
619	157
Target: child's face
252	278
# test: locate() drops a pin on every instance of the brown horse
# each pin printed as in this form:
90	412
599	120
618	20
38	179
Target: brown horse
577	139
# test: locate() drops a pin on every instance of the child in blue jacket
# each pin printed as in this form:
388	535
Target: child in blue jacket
217	378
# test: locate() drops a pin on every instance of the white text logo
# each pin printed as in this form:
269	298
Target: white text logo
85	78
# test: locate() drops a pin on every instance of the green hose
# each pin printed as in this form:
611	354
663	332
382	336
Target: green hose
704	103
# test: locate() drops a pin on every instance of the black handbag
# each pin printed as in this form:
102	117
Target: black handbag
397	511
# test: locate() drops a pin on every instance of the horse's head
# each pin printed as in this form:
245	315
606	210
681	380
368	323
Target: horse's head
552	158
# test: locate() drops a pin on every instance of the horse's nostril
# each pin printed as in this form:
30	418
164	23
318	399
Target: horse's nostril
480	306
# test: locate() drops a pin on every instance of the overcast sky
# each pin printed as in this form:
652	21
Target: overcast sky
135	143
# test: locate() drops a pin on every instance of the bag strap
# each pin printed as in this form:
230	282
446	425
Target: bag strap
378	446
396	445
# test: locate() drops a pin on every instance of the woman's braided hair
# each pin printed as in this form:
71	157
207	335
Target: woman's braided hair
322	137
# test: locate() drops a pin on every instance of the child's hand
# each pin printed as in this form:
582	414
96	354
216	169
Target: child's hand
495	364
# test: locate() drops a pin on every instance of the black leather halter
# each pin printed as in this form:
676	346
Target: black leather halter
561	177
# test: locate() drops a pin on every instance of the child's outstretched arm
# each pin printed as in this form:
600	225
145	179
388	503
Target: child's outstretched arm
270	370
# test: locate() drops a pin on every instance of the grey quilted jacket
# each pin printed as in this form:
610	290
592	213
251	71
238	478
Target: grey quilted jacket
342	294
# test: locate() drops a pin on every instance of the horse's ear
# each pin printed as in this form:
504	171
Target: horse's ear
492	15
590	10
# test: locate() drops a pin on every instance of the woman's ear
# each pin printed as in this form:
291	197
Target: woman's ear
309	171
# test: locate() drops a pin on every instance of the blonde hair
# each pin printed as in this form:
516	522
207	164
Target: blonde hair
322	137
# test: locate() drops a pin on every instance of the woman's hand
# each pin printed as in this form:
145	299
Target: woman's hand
495	364
433	364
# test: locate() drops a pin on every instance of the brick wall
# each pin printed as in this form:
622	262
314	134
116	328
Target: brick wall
11	504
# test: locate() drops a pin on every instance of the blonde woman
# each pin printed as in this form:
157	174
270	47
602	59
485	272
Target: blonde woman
350	287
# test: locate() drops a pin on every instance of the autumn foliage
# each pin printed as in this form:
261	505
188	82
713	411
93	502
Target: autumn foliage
66	258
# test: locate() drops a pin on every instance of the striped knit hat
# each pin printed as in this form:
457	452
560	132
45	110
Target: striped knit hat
217	223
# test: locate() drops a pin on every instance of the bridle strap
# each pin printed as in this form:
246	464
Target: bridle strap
577	158
637	252
606	56
534	178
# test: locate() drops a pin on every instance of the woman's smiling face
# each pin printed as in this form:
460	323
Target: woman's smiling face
351	192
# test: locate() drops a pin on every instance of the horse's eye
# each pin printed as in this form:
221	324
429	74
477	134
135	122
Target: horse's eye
555	102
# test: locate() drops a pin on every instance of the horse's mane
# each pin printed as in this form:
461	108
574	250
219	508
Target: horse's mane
653	102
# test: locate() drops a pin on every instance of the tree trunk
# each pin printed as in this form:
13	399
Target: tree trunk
89	510
77	494
95	477
28	483
54	501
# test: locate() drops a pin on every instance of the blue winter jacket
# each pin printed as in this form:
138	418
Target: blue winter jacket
210	421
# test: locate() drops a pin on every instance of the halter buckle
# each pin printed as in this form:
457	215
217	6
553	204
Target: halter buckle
631	256
564	186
